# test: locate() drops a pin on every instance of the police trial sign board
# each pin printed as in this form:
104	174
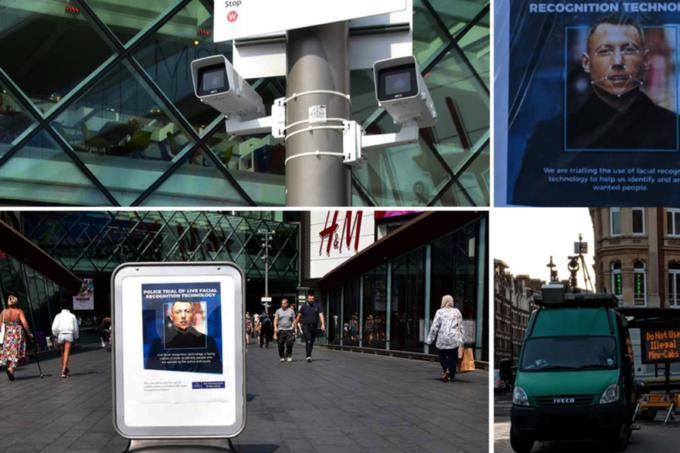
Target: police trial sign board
179	353
237	19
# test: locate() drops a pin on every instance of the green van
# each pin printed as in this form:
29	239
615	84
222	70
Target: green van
575	372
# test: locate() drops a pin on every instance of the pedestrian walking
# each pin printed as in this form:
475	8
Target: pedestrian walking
256	327
249	327
65	329
310	315
104	328
447	328
284	330
265	329
14	332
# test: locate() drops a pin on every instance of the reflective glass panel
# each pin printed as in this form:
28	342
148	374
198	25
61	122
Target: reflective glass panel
375	308
126	18
13	119
457	14
46	50
463	109
428	37
406	175
166	57
350	314
472	187
123	133
41	170
257	164
364	103
454	260
407	309
475	44
198	182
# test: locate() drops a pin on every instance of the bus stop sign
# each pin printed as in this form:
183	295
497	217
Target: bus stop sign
237	19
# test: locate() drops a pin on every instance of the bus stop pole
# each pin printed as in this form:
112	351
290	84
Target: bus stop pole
317	92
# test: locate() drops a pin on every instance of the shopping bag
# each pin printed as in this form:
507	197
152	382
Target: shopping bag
467	363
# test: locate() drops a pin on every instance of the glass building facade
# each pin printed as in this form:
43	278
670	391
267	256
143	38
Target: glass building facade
97	109
93	244
38	295
392	305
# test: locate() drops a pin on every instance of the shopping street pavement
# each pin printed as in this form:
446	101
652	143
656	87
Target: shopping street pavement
341	402
651	437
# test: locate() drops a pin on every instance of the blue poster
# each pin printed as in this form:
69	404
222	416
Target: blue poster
593	103
182	325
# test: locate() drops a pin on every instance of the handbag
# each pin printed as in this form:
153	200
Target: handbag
2	330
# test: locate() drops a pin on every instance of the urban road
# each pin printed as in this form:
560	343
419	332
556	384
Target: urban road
651	437
341	402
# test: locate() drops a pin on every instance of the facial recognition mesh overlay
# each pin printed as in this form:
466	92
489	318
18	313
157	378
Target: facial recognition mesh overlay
593	103
182	327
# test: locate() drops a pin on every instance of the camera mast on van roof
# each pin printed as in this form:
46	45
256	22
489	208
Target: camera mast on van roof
555	295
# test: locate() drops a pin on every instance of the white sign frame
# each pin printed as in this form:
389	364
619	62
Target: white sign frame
238	19
126	283
384	36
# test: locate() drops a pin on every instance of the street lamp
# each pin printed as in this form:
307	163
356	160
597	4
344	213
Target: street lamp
265	245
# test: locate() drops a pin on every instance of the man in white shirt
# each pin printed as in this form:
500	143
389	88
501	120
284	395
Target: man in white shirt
65	329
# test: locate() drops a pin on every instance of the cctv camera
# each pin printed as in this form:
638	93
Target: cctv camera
217	84
401	91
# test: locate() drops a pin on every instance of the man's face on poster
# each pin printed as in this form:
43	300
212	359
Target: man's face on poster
182	315
616	58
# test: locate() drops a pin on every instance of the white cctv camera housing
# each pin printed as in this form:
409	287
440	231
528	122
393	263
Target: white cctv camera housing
400	89
217	84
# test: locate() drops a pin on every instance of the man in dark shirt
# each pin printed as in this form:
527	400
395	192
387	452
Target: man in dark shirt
183	340
309	316
617	115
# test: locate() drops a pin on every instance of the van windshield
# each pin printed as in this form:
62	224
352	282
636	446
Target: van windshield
569	353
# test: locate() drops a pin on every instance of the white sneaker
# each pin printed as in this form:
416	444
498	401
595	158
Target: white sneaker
289	359
282	360
309	359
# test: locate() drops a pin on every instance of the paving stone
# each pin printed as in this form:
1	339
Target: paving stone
340	402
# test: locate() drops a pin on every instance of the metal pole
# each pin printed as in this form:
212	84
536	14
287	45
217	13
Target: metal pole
265	244
317	60
342	315
428	293
388	308
266	265
361	311
481	289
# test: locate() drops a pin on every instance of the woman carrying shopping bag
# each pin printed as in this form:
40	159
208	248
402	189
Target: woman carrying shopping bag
447	328
14	333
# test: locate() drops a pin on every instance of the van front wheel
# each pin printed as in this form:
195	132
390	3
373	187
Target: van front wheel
521	444
620	441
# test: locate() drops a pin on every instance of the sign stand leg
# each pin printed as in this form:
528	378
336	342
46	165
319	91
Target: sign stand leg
183	445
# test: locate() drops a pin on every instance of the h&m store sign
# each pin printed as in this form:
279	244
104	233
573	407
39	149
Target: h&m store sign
336	236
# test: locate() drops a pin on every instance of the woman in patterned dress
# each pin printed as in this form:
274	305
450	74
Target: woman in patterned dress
14	343
447	327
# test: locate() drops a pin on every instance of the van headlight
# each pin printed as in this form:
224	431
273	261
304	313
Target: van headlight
610	395
519	397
